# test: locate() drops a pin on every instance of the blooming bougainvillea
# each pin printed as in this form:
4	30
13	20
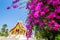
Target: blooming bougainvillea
43	14
16	4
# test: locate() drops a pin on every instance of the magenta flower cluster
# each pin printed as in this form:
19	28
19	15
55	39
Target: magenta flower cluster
42	13
14	5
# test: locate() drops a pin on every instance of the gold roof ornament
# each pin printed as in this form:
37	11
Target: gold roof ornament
18	29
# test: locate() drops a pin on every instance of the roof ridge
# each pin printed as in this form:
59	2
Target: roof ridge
20	23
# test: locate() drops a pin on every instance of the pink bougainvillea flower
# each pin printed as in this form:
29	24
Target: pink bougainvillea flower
29	33
30	19
36	14
8	7
28	27
56	26
49	1
15	1
33	23
30	6
34	1
57	17
50	23
15	6
57	10
53	25
41	24
51	15
39	5
55	3
42	13
36	21
48	10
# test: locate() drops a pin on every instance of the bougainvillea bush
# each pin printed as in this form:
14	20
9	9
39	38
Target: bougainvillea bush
43	18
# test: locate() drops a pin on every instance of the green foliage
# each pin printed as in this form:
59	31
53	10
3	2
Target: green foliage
57	37
4	31
45	33
37	32
37	35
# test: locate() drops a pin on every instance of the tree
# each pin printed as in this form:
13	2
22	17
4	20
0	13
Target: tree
4	31
44	18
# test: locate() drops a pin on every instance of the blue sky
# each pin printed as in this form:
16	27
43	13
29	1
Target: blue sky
11	17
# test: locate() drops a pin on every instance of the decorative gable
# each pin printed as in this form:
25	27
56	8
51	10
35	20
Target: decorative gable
18	29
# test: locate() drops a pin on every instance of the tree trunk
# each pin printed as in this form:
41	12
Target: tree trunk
55	33
48	38
53	38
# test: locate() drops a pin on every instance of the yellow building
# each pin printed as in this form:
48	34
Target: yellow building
18	29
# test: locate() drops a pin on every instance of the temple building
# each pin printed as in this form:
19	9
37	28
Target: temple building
18	30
